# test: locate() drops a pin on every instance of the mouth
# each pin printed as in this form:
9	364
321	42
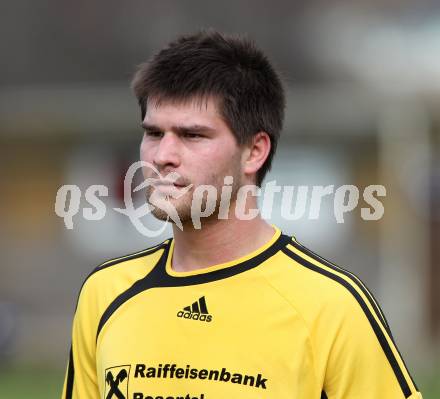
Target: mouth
168	184
169	188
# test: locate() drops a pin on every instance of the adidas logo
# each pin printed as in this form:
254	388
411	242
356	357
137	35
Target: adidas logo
197	311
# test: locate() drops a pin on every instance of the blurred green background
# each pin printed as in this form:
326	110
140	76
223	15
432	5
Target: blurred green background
363	85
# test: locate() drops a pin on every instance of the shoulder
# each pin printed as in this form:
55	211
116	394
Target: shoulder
345	321
117	274
146	256
317	286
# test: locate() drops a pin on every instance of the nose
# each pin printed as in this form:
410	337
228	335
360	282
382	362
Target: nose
167	152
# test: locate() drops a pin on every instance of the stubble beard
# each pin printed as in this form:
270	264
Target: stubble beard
183	205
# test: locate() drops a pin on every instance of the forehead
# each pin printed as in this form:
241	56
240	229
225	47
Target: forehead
167	113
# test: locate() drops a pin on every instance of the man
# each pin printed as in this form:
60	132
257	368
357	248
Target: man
232	308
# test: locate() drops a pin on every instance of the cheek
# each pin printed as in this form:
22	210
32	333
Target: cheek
223	160
223	153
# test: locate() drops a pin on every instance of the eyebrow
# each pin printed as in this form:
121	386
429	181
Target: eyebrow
178	129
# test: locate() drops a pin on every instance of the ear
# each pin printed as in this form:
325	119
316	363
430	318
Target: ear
256	153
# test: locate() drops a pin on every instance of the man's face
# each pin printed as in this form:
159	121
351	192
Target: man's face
193	140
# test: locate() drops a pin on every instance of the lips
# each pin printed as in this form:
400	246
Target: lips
169	188
168	184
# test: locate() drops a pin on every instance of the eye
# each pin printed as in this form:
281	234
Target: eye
190	135
153	134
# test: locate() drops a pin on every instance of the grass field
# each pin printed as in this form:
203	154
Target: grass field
47	384
27	383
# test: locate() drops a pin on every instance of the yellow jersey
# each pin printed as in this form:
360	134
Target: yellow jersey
279	323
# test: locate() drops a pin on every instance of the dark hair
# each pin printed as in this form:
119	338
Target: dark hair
230	68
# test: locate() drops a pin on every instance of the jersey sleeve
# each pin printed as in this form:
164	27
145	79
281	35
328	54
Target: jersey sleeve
81	377
363	360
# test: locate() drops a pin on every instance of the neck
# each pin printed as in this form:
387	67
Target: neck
218	241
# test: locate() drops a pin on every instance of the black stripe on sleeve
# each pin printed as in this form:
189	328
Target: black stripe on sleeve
70	376
350	275
359	283
374	324
116	261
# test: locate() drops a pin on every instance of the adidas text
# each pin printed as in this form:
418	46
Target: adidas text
194	316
